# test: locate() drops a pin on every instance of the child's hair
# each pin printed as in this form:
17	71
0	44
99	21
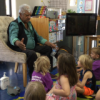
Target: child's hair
96	50
67	66
86	61
42	64
35	91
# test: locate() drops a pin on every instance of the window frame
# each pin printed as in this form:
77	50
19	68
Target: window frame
10	9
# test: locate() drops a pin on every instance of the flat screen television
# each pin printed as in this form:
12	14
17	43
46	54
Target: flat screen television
79	24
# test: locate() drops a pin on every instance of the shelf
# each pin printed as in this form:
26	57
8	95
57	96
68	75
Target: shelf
98	18
92	36
57	19
55	31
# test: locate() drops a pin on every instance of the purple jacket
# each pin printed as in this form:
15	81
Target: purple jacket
45	80
96	69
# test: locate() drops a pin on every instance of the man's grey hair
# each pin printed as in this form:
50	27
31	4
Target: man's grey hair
24	8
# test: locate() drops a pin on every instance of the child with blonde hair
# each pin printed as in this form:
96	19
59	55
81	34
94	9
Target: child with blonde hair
35	91
41	72
95	55
88	83
64	88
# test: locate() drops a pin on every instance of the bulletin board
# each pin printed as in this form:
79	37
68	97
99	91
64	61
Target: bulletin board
58	4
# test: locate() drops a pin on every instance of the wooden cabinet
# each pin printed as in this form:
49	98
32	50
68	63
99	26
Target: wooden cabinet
41	25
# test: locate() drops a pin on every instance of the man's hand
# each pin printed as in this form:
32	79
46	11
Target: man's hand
54	46
51	45
20	44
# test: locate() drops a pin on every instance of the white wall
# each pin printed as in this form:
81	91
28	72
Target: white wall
39	3
33	3
74	8
15	6
20	2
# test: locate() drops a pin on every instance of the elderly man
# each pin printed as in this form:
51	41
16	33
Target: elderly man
22	37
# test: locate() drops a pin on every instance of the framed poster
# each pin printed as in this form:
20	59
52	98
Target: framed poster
88	5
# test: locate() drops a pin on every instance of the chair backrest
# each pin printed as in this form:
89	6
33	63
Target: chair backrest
4	22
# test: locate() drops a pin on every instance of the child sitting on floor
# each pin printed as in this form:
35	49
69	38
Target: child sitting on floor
64	88
95	55
88	83
35	91
41	72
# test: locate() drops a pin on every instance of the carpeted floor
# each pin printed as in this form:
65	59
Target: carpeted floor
21	95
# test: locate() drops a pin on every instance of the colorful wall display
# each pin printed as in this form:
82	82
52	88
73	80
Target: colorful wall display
39	10
80	6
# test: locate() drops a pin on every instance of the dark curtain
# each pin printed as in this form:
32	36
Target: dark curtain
98	22
2	8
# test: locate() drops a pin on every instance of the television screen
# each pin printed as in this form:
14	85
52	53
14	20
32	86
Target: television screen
78	24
